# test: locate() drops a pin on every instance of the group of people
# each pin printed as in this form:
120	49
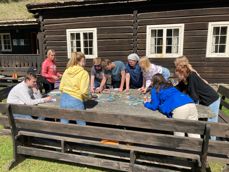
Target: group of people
175	101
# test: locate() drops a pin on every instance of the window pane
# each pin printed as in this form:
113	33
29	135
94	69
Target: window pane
78	44
78	49
222	48
153	33
159	41
216	31
175	32
86	51
159	49
85	35
223	31
160	33
223	40
214	49
90	51
85	43
168	49
216	39
78	36
73	36
169	32
169	41
91	43
90	35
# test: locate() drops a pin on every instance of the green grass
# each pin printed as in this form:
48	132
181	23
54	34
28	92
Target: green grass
33	165
14	10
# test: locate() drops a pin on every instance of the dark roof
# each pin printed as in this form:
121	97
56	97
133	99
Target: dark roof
33	7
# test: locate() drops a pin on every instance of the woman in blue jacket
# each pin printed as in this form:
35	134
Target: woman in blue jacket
171	102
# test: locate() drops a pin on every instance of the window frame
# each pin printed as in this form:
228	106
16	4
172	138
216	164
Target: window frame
81	31
165	27
211	25
2	48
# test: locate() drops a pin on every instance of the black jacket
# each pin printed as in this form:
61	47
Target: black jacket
198	90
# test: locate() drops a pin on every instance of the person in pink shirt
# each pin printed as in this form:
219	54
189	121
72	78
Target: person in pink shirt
49	72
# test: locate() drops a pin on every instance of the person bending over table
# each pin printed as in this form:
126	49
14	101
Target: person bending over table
98	79
116	70
134	77
23	93
197	88
171	102
74	85
149	70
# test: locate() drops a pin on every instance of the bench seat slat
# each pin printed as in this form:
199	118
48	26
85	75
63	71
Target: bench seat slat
113	134
86	160
118	146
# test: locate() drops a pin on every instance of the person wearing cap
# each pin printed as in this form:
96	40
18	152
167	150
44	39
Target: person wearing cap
134	76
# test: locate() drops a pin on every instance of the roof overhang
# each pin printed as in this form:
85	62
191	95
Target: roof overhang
25	22
33	7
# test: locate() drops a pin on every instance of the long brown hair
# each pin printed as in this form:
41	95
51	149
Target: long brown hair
159	82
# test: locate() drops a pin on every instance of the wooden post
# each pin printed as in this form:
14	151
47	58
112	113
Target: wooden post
203	156
14	132
132	160
135	31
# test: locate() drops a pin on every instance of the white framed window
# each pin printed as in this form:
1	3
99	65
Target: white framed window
218	39
5	42
83	40
164	40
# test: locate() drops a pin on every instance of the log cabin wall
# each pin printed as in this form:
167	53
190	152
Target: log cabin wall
122	30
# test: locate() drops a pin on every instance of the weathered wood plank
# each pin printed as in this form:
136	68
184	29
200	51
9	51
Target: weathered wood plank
161	140
89	19
118	146
86	160
185	12
86	24
114	119
184	19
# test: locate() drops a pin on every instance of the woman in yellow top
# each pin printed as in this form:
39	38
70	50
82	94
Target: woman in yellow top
74	85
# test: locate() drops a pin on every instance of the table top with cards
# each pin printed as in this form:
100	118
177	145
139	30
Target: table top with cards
112	101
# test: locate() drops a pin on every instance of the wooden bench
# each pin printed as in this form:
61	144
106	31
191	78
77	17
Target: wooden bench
223	118
224	94
145	144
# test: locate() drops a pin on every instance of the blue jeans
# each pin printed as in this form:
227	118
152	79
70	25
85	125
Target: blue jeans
96	84
18	116
69	102
165	73
215	110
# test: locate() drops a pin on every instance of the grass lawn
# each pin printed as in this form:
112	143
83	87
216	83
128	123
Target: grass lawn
33	165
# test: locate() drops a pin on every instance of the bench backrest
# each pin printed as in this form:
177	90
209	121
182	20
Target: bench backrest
219	150
123	128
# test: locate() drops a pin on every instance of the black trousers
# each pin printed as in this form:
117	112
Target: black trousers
48	86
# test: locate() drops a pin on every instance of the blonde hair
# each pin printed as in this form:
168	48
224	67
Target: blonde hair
144	63
75	59
184	67
97	60
50	51
183	61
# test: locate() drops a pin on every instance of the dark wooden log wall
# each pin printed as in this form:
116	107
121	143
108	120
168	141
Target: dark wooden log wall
120	33
114	35
195	39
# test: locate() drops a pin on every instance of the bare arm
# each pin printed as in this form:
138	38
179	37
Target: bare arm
127	81
123	74
92	83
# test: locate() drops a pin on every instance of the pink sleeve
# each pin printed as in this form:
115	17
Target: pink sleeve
44	70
